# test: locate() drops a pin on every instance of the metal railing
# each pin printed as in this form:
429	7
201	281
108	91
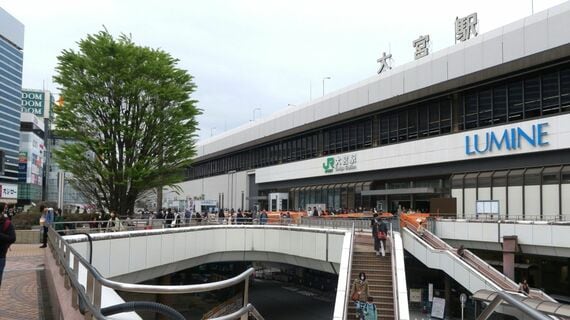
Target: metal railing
91	296
475	262
394	276
348	284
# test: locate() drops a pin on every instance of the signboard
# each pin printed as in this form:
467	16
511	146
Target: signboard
340	163
507	139
438	307
33	102
9	191
430	292
488	207
415	295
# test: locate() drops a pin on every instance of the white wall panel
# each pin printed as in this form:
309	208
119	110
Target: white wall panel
423	72
411	77
470	201
492	48
513	41
456	61
458	195
484	194
396	84
119	256
531	201
550	200
515	201
558	19
536	33
500	194
473	51
137	254
566	200
439	67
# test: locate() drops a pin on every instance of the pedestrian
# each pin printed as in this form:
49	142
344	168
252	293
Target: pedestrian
369	310
375	233
461	251
263	217
114	223
360	293
524	288
7	237
59	225
382	236
47	222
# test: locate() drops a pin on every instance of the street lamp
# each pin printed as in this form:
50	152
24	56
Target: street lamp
325	78
253	113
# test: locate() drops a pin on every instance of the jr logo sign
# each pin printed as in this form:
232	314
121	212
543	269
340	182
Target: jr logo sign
340	163
328	166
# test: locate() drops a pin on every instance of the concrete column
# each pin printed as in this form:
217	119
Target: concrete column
510	245
447	288
165	299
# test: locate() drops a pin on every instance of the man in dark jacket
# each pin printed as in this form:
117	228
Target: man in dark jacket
7	237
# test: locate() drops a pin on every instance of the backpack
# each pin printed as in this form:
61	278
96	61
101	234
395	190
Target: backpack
6	225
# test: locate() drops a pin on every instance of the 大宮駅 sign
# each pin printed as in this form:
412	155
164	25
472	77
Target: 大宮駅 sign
340	163
509	139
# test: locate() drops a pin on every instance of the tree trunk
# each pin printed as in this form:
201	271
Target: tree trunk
158	198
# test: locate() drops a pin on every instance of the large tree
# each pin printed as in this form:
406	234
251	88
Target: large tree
129	117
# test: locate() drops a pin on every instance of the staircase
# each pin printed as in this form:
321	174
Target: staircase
378	271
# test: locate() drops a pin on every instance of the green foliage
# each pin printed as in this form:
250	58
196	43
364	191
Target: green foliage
129	113
25	221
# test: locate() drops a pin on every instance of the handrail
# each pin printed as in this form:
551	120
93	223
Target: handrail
178	289
504	296
348	273
249	308
394	276
92	295
477	263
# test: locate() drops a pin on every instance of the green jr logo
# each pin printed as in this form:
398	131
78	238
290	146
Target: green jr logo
329	165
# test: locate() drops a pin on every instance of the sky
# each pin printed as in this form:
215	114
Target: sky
252	58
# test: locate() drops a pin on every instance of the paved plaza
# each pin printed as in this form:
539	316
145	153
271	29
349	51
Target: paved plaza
22	285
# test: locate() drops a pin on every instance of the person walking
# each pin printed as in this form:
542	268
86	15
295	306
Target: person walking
47	222
359	294
369	310
7	237
375	223
524	288
382	235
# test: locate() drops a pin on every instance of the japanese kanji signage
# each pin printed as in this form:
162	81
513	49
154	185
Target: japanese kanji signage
383	60
465	27
340	163
422	47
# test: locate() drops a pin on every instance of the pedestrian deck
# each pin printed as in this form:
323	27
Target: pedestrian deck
23	292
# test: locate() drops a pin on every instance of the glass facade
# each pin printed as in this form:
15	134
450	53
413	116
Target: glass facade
71	197
11	59
532	94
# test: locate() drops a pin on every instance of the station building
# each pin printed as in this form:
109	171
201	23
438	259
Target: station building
485	119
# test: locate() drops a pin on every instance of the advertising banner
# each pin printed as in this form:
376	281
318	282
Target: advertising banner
9	191
33	102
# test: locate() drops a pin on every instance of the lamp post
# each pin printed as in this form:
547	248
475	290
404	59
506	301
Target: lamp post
325	78
253	113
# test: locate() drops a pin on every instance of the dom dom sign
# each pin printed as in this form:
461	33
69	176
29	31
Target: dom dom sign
509	139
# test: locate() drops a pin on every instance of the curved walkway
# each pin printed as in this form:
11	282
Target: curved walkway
23	284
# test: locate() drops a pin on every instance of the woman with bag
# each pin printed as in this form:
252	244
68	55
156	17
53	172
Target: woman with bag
360	293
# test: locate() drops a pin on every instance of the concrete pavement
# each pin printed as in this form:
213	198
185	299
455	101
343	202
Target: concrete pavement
23	282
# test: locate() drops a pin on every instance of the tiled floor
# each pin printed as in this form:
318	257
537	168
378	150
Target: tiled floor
20	294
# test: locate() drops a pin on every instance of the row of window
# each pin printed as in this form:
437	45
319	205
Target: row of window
518	177
542	93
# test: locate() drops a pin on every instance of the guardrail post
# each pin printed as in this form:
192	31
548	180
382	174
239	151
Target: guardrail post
74	294
97	295
245	297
